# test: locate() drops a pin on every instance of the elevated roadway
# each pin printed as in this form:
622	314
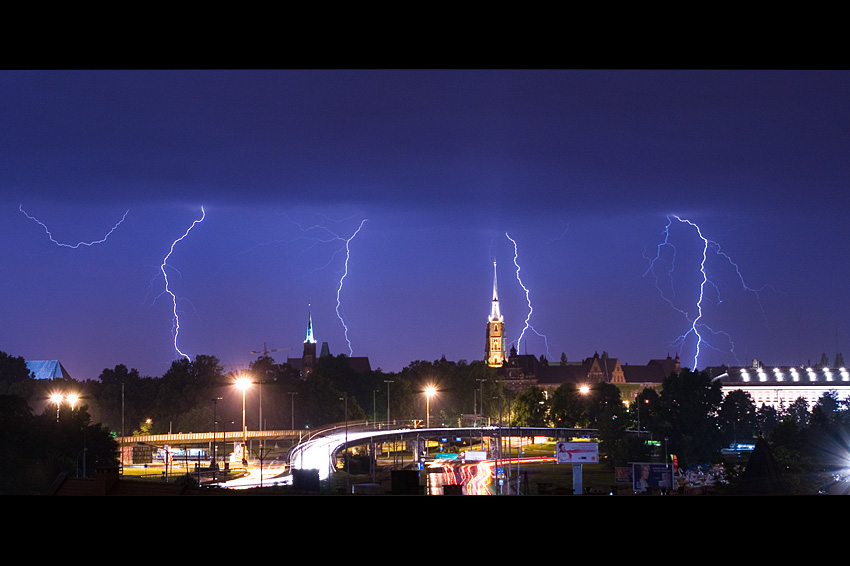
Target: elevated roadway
193	438
319	451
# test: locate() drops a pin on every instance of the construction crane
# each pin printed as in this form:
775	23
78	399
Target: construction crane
266	350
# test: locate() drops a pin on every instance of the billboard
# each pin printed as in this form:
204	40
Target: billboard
577	453
650	476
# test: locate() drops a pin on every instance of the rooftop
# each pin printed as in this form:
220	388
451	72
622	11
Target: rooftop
47	369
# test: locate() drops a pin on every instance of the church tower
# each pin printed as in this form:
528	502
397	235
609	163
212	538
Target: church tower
308	359
495	350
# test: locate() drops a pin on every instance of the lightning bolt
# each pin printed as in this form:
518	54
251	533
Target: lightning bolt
320	234
176	324
78	244
341	280
696	324
528	325
331	237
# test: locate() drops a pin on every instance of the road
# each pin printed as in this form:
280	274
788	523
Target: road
317	454
270	474
477	478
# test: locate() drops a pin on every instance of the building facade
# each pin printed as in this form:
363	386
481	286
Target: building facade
779	386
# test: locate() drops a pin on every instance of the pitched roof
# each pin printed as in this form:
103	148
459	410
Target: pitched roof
650	373
360	364
47	369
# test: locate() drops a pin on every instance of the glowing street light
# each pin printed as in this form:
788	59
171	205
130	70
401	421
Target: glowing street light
243	383
57	398
430	391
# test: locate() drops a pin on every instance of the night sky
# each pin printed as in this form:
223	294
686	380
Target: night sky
583	169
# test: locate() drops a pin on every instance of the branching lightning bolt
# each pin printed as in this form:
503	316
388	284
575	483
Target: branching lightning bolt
696	321
324	235
528	325
78	244
176	325
341	280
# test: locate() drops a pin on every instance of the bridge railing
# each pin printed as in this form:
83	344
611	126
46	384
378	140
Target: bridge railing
199	437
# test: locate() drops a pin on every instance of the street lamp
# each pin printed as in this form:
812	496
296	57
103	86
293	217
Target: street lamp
388	381
481	397
430	391
243	383
214	446
501	447
344	398
292	395
56	398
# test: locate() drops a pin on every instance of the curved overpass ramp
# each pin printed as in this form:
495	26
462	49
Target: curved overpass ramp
319	453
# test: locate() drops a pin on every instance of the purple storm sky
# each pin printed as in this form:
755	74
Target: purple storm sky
583	169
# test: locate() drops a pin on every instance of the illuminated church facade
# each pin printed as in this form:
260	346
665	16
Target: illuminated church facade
521	371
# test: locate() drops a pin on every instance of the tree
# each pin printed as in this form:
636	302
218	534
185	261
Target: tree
36	449
322	398
573	407
264	369
737	417
186	385
797	412
567	408
647	408
687	416
826	413
529	408
119	396
767	417
13	369
603	405
15	376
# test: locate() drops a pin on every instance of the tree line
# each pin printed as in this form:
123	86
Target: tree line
688	414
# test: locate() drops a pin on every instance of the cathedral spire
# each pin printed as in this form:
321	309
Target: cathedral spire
495	349
309	339
495	314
